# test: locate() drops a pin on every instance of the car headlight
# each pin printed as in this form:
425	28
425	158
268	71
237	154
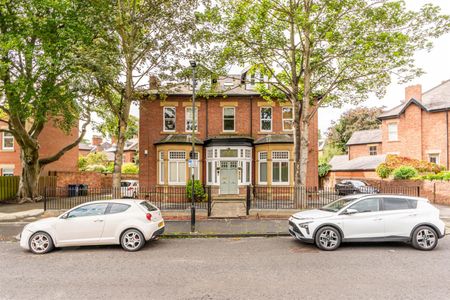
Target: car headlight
305	226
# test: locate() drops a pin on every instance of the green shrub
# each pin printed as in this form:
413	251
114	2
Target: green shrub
383	170
130	168
110	167
199	193
82	163
324	168
405	172
95	168
438	176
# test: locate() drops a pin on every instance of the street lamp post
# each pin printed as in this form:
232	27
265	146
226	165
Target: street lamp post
193	65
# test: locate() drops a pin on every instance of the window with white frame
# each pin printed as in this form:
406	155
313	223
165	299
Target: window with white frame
266	118
161	167
189	117
288	118
393	132
7	172
169	118
433	158
228	118
280	167
373	150
262	169
177	167
7	141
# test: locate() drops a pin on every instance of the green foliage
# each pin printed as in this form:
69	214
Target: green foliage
199	193
405	172
95	168
130	168
323	52
109	125
110	167
359	118
438	176
383	171
324	168
329	151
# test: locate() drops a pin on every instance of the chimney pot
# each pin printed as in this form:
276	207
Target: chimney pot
96	140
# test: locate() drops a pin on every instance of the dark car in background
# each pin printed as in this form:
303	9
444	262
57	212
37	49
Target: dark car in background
347	187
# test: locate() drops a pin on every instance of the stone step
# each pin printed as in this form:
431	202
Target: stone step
228	209
229	197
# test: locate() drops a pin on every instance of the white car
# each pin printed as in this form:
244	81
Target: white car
129	188
129	223
370	218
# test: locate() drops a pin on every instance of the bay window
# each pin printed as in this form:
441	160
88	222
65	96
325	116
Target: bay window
177	167
262	169
280	167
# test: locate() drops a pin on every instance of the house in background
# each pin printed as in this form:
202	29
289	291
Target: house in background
418	128
241	139
98	145
51	140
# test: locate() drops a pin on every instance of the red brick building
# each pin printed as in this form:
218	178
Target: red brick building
241	139
51	140
417	128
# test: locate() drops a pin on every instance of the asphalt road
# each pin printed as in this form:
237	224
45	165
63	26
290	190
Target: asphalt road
248	268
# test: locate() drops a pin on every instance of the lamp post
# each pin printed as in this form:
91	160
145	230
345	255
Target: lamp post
193	65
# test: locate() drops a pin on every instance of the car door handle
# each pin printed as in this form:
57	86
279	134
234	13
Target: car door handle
412	215
98	220
378	219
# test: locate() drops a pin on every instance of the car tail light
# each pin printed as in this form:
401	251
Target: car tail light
130	188
149	216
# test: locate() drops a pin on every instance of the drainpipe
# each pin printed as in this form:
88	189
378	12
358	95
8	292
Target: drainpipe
446	126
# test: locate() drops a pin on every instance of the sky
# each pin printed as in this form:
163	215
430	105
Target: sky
435	63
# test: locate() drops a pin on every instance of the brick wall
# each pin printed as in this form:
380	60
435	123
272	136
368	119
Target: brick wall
355	151
247	122
51	140
92	179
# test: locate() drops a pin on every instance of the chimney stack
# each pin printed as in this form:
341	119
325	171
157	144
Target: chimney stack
413	91
153	82
97	140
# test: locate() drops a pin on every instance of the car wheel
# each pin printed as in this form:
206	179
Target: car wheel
328	238
424	238
132	240
40	243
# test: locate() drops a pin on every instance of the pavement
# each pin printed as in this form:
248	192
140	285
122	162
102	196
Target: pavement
233	268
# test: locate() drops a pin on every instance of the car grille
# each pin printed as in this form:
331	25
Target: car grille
295	228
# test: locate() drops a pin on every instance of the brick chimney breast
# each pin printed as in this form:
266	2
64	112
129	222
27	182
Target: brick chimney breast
153	82
413	91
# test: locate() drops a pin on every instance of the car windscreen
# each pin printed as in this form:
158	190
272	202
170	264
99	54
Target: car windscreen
337	205
148	206
358	183
125	184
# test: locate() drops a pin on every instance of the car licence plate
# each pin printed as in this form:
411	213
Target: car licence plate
161	224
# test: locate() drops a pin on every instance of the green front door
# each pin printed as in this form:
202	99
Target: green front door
228	177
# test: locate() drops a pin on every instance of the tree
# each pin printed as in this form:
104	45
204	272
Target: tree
323	52
150	37
42	78
359	118
108	126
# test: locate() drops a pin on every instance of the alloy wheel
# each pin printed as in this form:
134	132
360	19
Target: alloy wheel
40	243
132	240
328	239
426	238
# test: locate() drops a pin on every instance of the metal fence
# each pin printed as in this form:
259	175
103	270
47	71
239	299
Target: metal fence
177	198
164	197
262	197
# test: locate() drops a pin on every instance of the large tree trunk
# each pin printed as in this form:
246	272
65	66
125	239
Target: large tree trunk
31	169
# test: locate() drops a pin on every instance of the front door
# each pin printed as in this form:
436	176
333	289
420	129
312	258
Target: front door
228	177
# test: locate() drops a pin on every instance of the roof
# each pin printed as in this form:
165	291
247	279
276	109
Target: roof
363	163
435	99
178	139
229	140
365	137
275	138
230	85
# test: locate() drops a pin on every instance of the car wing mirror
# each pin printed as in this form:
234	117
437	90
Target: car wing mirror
350	211
65	216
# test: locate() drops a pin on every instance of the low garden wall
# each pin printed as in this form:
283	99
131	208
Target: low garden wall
93	180
437	191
